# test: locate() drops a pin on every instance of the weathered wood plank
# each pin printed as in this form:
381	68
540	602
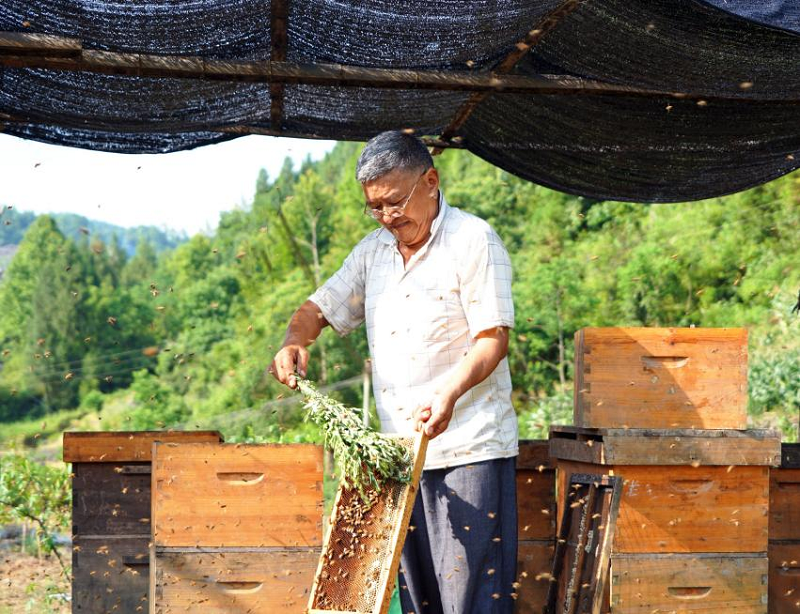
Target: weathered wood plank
121	446
224	581
648	583
111	499
784	578
534	454
110	574
784	505
237	495
534	568
536	504
661	377
685	509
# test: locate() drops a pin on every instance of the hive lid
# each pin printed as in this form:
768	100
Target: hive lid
606	446
125	446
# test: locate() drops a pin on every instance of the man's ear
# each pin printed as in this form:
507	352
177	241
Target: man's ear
432	180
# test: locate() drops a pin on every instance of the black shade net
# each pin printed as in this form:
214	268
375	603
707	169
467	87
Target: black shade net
738	60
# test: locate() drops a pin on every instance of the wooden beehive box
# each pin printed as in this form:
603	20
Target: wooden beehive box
784	533
784	577
536	516
696	583
236	527
111	515
661	378
684	491
784	497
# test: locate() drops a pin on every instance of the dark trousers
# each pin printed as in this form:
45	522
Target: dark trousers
460	555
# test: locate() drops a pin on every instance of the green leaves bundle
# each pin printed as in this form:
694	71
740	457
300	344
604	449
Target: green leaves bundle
366	458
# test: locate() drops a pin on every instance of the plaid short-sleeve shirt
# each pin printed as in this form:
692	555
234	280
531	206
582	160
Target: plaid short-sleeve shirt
422	318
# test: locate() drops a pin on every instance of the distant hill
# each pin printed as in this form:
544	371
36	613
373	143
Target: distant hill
6	254
13	225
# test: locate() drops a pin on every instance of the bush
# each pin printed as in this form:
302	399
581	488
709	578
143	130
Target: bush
17	405
157	405
535	421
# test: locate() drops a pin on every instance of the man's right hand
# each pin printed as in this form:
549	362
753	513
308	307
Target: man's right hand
290	361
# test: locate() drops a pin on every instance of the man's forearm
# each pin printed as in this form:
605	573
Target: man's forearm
479	363
305	325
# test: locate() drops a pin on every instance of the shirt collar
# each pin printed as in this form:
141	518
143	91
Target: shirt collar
388	238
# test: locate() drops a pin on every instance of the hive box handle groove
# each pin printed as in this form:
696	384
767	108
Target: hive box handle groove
240	478
689	592
240	588
694	487
664	362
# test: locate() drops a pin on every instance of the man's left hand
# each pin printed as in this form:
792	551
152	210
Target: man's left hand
433	418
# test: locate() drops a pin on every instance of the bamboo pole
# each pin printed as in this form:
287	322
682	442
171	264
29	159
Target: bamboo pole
24	43
242	129
506	65
186	67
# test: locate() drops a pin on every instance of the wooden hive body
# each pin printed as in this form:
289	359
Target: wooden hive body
536	518
692	530
236	527
661	378
784	533
111	516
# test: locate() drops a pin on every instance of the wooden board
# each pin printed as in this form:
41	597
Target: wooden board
534	567
122	446
226	581
685	509
536	504
712	584
111	499
583	548
784	504
661	377
110	574
359	562
784	578
607	446
253	495
534	454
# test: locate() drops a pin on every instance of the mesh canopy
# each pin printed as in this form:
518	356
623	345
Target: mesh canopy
738	62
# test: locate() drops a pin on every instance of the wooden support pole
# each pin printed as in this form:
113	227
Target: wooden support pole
279	15
506	65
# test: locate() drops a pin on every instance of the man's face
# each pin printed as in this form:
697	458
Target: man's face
413	226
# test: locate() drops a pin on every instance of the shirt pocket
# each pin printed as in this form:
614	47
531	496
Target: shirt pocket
442	318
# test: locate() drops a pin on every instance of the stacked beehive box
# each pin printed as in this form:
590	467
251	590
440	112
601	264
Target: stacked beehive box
236	528
665	409
784	533
111	516
536	515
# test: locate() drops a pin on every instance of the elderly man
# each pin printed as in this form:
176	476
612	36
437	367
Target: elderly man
433	285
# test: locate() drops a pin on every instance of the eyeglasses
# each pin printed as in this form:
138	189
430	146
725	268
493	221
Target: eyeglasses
391	211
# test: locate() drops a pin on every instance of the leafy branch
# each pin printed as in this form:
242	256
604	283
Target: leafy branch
33	492
367	458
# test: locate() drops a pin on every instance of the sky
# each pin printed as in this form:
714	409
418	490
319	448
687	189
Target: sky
184	191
